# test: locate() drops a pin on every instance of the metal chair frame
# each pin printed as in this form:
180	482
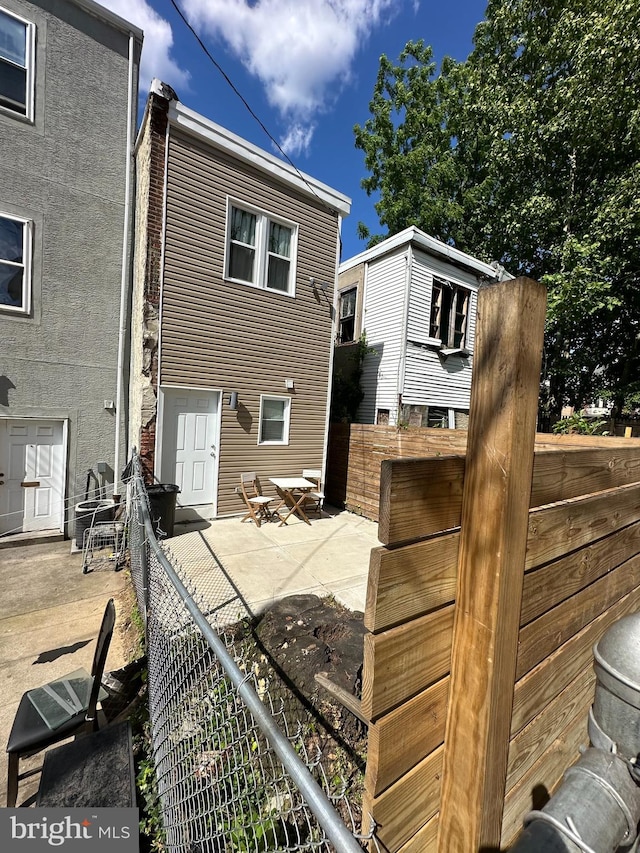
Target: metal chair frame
30	734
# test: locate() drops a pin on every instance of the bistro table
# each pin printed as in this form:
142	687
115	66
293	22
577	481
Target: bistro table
286	487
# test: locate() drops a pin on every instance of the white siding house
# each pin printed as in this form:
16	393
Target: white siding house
415	302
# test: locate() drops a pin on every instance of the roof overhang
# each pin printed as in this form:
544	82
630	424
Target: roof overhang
110	17
415	237
219	137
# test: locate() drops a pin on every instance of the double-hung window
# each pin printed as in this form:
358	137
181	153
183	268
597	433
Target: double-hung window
260	249
17	38
347	317
449	310
274	420
15	257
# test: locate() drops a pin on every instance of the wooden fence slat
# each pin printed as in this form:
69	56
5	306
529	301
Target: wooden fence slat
556	530
402	661
538	736
425	840
408	510
409	581
552	583
405	736
497	484
577	440
427	500
544	635
404	808
567	472
545	775
542	684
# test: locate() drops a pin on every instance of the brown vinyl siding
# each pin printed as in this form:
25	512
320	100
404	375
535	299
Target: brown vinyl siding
234	337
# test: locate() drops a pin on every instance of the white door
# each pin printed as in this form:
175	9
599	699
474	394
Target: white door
189	443
32	475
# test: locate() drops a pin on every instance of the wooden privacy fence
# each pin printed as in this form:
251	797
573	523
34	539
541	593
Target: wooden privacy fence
499	570
356	451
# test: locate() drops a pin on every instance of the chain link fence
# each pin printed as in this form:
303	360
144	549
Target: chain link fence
236	771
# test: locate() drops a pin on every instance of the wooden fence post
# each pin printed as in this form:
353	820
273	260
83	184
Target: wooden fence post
495	506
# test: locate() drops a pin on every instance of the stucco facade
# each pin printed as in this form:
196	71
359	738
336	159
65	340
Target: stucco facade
65	176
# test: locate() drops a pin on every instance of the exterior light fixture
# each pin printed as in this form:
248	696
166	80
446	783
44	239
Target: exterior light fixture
233	400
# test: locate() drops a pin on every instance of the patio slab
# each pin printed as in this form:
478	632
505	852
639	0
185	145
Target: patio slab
329	557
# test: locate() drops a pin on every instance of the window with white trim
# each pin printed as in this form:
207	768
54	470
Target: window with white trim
15	262
260	249
449	311
274	420
16	64
347	315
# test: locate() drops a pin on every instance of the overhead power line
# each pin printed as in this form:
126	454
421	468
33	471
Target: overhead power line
246	103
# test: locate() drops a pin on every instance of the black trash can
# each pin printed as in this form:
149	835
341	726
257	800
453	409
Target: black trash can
162	506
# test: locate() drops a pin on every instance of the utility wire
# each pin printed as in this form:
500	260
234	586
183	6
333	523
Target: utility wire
247	105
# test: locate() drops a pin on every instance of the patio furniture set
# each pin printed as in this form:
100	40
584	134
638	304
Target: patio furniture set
296	496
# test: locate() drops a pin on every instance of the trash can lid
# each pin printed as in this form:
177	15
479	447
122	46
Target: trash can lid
162	488
617	658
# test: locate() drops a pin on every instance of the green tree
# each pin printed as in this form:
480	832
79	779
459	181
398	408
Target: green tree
528	153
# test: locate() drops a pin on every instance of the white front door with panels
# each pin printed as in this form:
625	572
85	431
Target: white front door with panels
32	474
189	443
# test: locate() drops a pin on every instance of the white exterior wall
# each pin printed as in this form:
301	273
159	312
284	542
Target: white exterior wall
383	321
430	380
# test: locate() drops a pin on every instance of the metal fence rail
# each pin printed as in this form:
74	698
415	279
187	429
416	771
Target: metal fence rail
234	773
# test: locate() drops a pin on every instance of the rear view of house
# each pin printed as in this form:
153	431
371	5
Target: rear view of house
235	272
414	298
68	93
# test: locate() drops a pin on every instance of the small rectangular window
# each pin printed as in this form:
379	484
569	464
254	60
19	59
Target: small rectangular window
15	255
347	318
274	420
16	64
260	250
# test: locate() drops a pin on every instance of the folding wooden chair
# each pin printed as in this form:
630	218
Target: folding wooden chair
314	498
257	503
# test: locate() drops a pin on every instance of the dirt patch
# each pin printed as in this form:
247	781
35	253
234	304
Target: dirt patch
304	634
296	638
129	624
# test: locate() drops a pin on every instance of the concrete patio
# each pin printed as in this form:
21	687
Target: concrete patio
226	559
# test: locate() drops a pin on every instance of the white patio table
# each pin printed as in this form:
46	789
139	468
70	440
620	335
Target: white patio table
288	489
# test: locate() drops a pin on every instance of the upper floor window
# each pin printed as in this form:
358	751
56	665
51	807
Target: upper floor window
449	311
15	257
274	420
16	64
260	250
347	315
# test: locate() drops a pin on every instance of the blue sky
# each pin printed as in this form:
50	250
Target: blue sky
306	67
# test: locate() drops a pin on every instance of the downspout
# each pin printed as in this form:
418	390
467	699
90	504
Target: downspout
334	325
157	451
124	280
405	324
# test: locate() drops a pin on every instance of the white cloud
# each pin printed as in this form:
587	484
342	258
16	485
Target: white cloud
302	51
158	40
297	139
